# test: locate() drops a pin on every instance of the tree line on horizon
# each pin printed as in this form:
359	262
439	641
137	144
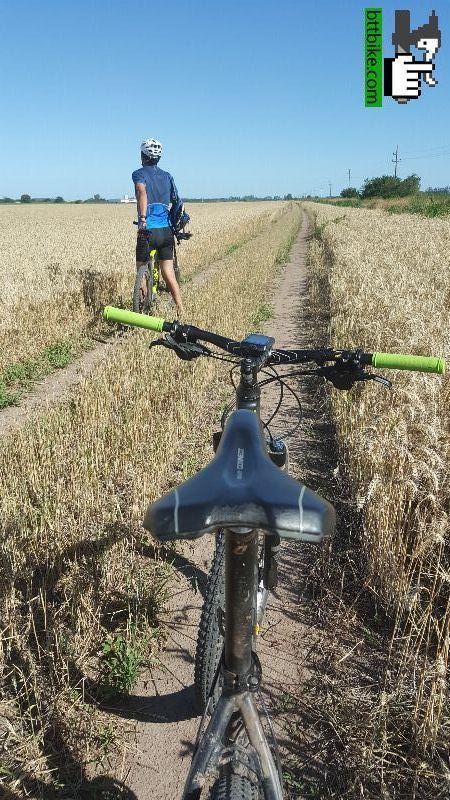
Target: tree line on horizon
26	198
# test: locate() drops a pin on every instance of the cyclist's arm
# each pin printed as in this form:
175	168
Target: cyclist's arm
174	196
141	197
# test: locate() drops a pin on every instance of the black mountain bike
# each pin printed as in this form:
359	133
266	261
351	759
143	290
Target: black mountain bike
147	283
246	495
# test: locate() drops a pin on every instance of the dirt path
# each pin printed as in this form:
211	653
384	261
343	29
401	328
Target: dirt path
164	706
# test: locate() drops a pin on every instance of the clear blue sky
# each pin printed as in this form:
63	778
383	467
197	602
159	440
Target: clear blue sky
246	97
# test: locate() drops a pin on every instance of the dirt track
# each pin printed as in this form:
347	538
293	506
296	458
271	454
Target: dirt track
164	705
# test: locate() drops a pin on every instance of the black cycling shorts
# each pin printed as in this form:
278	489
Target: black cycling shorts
159	239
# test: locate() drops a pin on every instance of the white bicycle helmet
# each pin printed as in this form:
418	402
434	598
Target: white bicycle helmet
151	148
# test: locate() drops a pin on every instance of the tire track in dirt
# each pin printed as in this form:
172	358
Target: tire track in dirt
164	707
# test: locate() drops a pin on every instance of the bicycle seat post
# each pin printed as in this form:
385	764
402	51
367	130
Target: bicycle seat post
241	578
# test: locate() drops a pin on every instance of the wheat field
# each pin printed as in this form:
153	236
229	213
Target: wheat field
76	571
61	264
387	279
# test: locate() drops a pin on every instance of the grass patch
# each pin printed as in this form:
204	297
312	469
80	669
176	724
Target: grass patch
122	662
7	398
17	378
426	205
262	315
233	247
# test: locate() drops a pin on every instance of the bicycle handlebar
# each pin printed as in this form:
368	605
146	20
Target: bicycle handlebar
191	333
402	361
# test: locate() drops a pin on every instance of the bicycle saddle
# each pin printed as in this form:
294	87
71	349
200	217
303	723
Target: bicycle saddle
241	489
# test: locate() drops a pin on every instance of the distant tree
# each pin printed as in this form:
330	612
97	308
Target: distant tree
390	186
7	200
410	185
78	201
25	198
95	199
287	197
276	197
59	199
350	192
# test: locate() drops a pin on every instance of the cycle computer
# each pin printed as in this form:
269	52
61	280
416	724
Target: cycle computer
255	344
259	341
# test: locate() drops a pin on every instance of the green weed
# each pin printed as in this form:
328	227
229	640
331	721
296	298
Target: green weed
263	314
58	355
122	662
232	248
7	398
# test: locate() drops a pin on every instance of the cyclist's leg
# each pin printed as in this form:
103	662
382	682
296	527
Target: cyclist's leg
164	237
168	274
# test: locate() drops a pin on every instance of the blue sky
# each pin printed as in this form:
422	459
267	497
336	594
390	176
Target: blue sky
246	97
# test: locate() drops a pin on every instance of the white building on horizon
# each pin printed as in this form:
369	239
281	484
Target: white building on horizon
126	199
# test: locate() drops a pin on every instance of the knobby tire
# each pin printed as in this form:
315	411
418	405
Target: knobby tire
231	786
143	297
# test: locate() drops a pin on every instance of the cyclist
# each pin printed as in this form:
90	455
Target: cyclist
155	194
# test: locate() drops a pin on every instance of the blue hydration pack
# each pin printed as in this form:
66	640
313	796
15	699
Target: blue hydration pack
178	217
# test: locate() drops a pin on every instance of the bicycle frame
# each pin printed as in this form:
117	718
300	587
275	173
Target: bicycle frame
154	271
239	668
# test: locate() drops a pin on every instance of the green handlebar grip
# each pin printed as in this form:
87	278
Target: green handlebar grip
417	363
131	318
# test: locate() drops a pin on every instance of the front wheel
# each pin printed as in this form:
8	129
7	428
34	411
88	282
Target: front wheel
231	786
210	639
210	633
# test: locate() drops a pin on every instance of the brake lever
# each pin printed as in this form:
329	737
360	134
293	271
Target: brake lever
346	378
187	351
378	379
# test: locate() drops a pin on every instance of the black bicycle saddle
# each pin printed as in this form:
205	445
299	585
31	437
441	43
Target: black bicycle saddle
241	489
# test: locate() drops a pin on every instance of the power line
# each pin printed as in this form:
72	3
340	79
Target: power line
428	149
430	155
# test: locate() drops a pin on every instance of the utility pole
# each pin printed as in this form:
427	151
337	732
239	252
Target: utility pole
396	161
329	184
349	179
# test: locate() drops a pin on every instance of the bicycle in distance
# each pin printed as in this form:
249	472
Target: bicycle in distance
148	283
248	500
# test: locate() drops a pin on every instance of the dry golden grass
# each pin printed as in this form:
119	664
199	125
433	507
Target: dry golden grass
73	486
61	264
388	283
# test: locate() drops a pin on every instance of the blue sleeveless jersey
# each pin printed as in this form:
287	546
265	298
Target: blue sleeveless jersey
161	193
